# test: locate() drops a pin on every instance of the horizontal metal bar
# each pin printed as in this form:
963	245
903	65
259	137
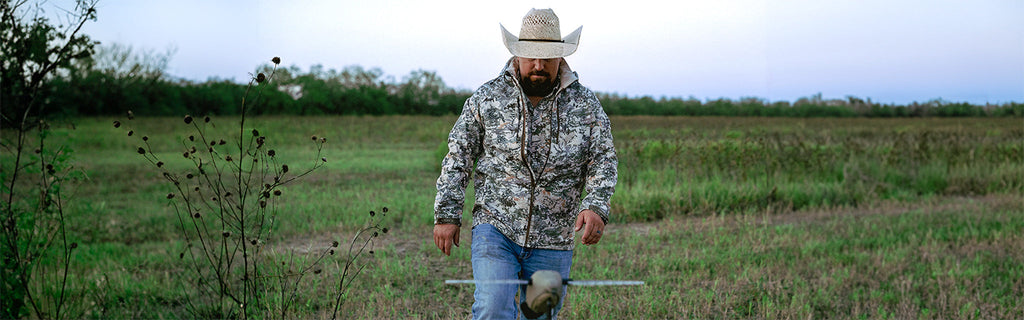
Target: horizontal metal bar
569	282
510	281
604	283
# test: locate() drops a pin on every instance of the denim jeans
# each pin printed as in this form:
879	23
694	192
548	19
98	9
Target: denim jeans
495	257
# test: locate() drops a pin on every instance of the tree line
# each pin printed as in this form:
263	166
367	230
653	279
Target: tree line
813	106
118	78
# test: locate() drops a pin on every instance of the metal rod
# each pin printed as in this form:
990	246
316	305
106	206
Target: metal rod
568	282
511	281
604	283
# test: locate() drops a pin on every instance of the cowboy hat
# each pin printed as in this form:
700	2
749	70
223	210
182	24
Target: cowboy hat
539	37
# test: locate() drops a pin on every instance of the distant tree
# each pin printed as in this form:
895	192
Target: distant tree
421	92
115	79
32	49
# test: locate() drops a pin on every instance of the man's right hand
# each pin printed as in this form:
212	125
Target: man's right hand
446	235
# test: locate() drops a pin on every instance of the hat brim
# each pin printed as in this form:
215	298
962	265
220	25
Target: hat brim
541	49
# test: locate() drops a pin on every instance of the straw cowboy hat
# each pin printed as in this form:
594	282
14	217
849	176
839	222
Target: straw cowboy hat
539	37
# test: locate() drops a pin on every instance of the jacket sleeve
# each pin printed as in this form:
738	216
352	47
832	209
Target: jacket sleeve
465	145
602	169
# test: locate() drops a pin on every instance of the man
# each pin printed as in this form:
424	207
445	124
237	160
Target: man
538	138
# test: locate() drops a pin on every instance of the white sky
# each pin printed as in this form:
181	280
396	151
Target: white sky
891	51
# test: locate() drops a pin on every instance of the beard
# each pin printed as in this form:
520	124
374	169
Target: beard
537	88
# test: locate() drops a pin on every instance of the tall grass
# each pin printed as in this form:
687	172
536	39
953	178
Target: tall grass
704	166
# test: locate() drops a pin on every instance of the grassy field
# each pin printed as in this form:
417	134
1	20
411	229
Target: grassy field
722	217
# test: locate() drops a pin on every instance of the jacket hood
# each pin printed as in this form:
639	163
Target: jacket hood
565	74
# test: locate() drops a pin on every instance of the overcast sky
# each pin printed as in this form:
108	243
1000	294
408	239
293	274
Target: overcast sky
891	51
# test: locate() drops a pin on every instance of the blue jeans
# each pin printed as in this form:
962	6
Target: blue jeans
495	257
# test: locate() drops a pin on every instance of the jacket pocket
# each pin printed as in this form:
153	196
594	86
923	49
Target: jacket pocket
570	152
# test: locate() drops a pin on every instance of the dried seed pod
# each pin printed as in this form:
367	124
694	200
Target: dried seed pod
188	119
276	60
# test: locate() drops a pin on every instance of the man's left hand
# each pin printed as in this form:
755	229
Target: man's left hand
594	226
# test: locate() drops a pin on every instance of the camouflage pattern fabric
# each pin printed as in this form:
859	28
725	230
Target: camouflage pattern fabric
531	163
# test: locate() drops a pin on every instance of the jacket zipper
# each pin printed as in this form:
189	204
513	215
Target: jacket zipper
522	152
526	162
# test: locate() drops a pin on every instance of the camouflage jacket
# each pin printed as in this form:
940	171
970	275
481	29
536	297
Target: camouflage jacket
533	199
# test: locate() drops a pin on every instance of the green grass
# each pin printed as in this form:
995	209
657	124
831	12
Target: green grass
723	217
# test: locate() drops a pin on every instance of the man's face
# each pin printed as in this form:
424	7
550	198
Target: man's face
538	75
